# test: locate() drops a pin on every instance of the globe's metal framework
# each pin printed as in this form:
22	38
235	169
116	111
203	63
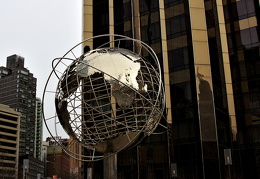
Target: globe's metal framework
106	99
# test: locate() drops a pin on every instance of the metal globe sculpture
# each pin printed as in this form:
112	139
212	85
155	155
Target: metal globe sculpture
107	98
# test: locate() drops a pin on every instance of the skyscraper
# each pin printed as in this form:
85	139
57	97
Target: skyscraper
209	53
242	24
18	90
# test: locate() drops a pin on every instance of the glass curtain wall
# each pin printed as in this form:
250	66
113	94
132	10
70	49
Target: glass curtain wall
242	24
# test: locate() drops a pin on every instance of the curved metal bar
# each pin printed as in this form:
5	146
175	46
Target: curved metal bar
156	101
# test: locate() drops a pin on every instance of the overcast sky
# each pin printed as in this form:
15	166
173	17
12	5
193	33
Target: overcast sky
39	31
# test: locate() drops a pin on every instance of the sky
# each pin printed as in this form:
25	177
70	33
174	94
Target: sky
39	31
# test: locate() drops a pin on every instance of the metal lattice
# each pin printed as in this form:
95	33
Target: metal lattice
106	99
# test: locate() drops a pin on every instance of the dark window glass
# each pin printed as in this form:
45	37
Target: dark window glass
241	8
182	130
254	99
215	58
181	94
233	11
254	35
222	131
122	11
151	33
175	26
100	21
127	11
178	59
210	18
245	36
168	3
148	6
220	98
250	6
230	44
123	23
252	68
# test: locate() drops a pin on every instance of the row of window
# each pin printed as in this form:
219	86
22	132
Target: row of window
239	10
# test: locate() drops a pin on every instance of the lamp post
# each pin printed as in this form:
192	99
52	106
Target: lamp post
25	168
44	160
228	160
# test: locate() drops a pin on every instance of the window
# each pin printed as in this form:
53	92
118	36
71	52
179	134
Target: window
148	6
24	72
151	33
175	26
178	59
181	93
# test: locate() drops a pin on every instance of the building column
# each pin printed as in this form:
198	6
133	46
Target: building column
166	75
226	63
165	62
87	22
110	160
110	166
204	87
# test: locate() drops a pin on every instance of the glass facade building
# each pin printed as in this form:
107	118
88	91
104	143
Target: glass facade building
209	53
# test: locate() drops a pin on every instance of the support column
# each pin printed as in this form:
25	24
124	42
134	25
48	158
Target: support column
166	72
110	166
226	62
110	161
206	106
87	22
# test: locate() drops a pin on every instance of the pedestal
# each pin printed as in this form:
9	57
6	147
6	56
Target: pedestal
110	166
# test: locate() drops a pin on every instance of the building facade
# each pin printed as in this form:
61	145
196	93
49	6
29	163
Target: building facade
209	53
18	90
9	142
242	27
58	161
75	165
30	167
38	129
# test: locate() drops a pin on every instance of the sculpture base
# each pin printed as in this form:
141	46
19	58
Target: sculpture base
110	166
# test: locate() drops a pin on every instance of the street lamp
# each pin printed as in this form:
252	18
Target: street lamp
25	168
